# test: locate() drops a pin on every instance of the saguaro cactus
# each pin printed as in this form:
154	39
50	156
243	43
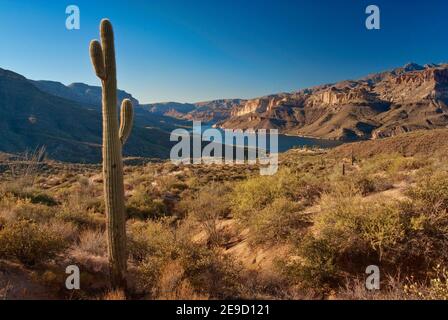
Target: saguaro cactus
103	60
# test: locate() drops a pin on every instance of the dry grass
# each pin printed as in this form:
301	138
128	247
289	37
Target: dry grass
114	295
423	143
314	228
93	242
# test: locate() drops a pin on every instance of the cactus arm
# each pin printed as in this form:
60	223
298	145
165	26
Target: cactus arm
126	119
96	55
108	45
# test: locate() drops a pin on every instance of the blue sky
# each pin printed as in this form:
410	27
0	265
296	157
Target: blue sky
188	51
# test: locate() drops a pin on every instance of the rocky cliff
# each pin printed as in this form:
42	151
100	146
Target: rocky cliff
380	105
206	111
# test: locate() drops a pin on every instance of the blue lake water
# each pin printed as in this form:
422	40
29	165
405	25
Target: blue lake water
285	142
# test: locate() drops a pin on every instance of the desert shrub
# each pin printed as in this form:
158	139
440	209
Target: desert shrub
392	288
93	242
114	295
28	192
94	204
84	219
427	236
425	215
431	191
348	234
150	239
68	231
368	184
256	193
148	272
415	163
210	272
170	183
25	209
29	243
144	205
393	166
390	163
351	232
150	209
201	271
277	221
437	289
252	195
173	285
208	206
357	226
82	196
315	265
42	198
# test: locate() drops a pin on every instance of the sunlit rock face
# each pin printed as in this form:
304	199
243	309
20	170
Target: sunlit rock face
408	98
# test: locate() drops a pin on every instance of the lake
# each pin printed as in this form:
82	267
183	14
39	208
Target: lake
285	142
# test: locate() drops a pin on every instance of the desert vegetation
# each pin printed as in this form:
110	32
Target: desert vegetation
225	232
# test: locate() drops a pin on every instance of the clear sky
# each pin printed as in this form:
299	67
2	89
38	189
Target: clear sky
193	50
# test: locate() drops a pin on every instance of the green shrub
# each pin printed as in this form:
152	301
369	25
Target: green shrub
81	218
148	239
351	232
148	273
437	289
256	193
392	167
368	184
211	272
207	207
144	205
431	191
151	245
315	266
354	225
25	209
27	193
348	234
253	195
389	164
29	243
277	221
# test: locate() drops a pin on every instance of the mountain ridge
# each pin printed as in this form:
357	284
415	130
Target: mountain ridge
67	119
70	130
380	105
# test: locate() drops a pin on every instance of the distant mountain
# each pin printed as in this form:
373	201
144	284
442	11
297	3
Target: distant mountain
68	121
380	105
164	108
207	111
90	97
80	92
31	117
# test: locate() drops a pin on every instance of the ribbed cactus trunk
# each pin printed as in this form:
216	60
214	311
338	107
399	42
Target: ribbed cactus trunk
103	60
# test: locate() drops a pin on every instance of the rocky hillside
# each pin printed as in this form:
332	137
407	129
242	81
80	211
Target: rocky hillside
417	143
80	92
70	129
380	105
206	111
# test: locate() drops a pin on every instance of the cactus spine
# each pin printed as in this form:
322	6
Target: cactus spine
103	60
